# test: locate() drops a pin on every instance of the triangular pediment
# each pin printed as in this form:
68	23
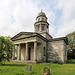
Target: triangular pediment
22	35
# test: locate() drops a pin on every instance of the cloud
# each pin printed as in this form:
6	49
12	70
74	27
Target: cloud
16	16
67	20
20	15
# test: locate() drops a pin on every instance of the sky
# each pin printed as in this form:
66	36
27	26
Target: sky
20	15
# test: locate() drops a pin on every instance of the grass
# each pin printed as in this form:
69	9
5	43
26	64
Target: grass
9	68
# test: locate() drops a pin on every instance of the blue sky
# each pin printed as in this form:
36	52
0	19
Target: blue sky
20	15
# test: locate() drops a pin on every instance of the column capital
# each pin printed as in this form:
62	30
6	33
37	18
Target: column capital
18	44
35	41
26	42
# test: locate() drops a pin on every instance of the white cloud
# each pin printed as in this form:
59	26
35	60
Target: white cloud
20	15
51	17
67	20
52	30
16	16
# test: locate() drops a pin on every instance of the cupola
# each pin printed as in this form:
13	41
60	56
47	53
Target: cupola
41	24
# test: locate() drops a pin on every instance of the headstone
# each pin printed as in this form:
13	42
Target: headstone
29	67
46	71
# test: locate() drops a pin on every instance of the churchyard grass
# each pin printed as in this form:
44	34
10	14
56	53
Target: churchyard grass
10	68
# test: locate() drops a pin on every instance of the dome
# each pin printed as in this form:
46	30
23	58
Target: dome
41	14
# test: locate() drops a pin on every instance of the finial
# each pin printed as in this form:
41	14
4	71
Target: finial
41	10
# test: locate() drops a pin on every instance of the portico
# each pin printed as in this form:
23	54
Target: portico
26	51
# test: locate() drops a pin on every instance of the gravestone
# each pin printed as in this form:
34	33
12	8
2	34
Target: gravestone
29	67
46	71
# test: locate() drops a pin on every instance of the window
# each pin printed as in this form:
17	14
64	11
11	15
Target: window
38	28
42	28
38	19
42	19
47	26
44	53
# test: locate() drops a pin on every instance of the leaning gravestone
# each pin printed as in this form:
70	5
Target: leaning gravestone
46	71
29	67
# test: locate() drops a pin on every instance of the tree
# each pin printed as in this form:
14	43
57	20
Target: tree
6	47
71	45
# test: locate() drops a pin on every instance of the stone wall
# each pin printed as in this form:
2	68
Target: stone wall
65	52
41	57
56	51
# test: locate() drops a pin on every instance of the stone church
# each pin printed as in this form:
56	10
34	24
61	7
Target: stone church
39	46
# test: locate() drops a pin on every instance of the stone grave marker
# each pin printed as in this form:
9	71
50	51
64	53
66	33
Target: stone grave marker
46	71
29	67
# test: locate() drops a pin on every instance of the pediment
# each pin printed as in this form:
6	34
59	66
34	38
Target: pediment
22	35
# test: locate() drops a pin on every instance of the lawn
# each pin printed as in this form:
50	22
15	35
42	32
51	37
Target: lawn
9	68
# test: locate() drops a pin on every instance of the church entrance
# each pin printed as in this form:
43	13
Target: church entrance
29	51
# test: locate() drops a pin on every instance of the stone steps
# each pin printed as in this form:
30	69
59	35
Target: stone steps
26	62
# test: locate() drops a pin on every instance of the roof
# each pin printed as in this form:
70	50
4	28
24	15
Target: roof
46	33
61	38
41	14
41	22
32	34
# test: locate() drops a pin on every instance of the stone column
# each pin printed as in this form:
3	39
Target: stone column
26	54
13	53
35	51
19	52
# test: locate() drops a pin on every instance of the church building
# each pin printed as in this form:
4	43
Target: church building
39	46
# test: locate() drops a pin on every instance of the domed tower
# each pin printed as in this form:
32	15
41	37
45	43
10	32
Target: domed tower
41	25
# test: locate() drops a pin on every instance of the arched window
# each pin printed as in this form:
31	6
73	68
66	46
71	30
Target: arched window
42	28
38	28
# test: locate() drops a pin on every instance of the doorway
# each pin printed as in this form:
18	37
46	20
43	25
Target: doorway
29	51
